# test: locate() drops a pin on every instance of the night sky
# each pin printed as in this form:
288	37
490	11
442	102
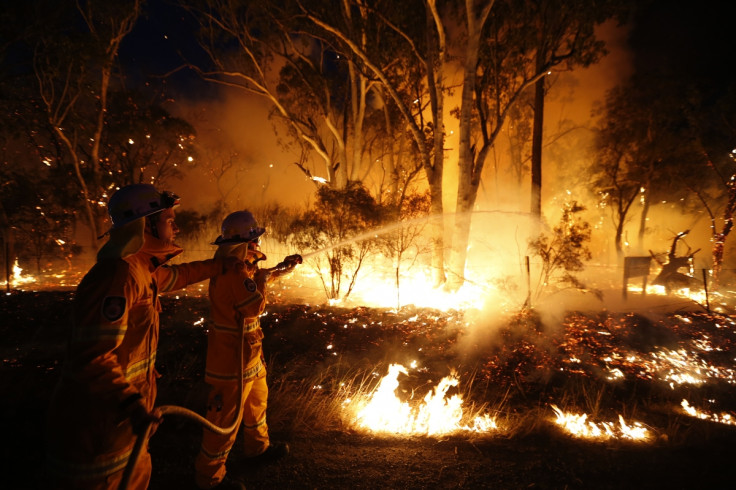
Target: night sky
162	41
671	38
683	39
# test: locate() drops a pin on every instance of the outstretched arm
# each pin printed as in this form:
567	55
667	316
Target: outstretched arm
173	277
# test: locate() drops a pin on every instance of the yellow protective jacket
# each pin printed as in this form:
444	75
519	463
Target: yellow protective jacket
236	302
110	359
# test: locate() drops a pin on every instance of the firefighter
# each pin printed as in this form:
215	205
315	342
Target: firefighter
107	389
237	298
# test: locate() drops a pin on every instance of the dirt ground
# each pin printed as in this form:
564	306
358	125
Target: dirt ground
33	330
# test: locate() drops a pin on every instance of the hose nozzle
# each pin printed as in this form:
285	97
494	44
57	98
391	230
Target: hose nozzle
289	262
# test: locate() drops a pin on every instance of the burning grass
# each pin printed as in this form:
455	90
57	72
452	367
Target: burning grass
599	378
513	386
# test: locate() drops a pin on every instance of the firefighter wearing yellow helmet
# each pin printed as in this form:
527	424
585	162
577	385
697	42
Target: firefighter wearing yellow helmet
107	390
237	298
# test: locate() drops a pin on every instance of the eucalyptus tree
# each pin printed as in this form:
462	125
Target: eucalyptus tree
144	143
709	172
76	47
617	176
693	54
414	78
315	88
651	123
507	50
564	37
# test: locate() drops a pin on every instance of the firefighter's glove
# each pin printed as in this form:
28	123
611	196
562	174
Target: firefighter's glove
293	260
289	262
141	418
134	409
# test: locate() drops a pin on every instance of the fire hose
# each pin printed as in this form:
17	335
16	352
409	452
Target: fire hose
159	412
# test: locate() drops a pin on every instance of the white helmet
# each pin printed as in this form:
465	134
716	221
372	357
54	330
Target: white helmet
138	201
239	227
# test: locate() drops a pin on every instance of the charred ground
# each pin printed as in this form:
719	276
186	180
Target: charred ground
312	350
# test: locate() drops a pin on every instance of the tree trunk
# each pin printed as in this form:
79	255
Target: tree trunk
434	168
391	157
645	209
358	84
461	238
468	171
643	220
618	241
437	227
717	254
83	189
536	160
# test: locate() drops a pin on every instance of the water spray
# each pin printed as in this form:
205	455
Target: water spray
423	220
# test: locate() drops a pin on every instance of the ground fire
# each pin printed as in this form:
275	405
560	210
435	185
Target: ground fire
412	361
604	376
383	411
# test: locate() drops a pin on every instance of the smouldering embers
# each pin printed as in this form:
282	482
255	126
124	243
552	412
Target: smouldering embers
382	411
19	280
579	426
690	364
675	367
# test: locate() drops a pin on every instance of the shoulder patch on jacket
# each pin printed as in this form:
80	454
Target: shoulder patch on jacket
113	308
250	285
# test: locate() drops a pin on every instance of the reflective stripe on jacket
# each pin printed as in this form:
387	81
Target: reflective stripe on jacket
110	359
235	304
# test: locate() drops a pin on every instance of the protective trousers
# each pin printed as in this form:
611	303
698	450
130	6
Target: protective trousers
139	479
222	408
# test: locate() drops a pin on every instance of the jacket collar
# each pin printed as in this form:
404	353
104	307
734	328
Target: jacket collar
155	252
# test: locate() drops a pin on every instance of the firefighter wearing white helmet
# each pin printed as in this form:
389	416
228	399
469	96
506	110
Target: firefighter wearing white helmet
138	201
237	299
106	394
239	227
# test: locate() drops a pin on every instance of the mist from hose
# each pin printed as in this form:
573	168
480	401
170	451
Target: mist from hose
375	232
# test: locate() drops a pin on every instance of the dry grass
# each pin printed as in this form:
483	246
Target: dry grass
327	402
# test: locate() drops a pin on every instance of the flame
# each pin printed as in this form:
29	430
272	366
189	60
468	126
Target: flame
722	418
419	291
696	295
579	426
377	288
18	277
436	415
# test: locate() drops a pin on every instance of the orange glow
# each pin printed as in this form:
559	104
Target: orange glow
722	418
18	278
382	411
579	426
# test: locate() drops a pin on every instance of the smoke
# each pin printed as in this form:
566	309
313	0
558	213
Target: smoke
236	129
242	160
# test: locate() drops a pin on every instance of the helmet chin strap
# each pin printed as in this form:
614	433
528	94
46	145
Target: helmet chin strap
151	226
